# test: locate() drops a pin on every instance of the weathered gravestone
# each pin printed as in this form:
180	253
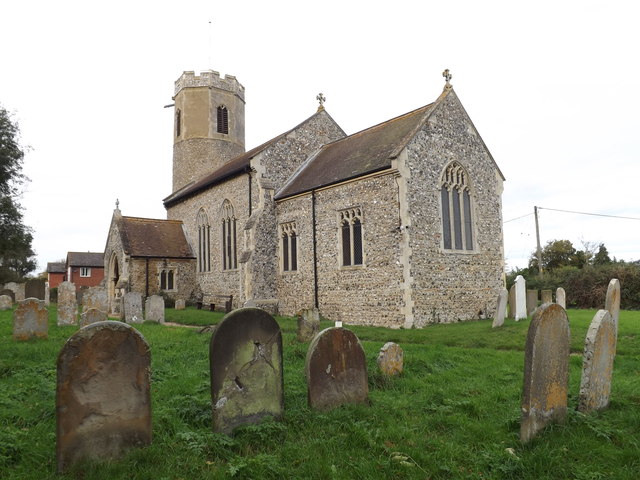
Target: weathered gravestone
9	293
308	324
30	320
612	302
92	315
546	296
95	297
561	297
597	363
47	294
67	306
5	302
34	288
245	357
532	301
521	298
180	304
17	289
154	309
132	307
391	359
546	371
336	369
103	401
512	301
501	309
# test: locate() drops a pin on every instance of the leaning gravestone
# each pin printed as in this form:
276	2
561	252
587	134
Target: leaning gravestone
308	324
597	363
30	320
5	302
180	304
9	293
92	315
501	309
391	359
154	309
512	301
612	302
546	371
561	297
521	298
95	297
245	357
532	301
132	307
546	296
34	288
103	401
67	306
336	369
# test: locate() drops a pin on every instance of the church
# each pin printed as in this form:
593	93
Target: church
398	225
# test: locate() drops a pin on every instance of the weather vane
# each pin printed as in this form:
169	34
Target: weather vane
447	76
321	98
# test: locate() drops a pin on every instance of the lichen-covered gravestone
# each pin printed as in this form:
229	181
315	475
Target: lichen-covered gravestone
391	359
30	320
154	309
92	315
612	302
103	401
521	298
308	324
336	369
67	304
95	297
5	302
132	307
546	371
546	296
597	363
245	357
561	297
501	309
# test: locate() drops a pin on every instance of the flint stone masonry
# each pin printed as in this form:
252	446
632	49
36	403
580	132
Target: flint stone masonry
6	303
67	305
612	302
308	324
35	288
247	382
103	401
95	297
30	320
532	301
154	309
546	371
561	297
391	359
546	296
597	363
92	315
132	307
336	370
521	298
501	309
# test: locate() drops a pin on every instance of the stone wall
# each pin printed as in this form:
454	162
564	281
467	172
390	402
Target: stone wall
184	276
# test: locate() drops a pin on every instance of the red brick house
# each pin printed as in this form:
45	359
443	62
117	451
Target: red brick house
85	269
56	273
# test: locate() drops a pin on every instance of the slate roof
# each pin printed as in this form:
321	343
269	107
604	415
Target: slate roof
148	237
85	259
56	267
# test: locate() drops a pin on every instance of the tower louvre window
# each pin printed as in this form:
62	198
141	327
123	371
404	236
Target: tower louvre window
223	120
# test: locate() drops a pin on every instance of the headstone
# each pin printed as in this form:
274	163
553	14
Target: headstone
154	309
180	304
501	309
512	301
391	359
561	297
9	293
308	324
5	302
103	401
95	297
597	363
34	288
132	307
67	306
546	371
245	356
521	298
612	302
532	301
30	320
47	294
17	289
546	296
92	315
336	369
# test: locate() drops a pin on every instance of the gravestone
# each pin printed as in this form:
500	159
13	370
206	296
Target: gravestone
9	293
67	306
17	289
336	369
5	302
95	297
612	302
180	304
597	363
92	315
30	320
154	309
521	298
245	357
308	324
103	401
391	359
546	371
532	301
501	309
561	297
546	296
512	301
47	294
34	288
132	307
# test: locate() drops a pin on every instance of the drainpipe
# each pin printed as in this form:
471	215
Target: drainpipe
249	177
146	278
315	253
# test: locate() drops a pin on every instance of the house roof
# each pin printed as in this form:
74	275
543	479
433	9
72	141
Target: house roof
148	237
85	259
56	267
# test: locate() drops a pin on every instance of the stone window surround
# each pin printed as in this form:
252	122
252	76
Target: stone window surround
168	275
465	185
350	214
204	242
289	236
229	250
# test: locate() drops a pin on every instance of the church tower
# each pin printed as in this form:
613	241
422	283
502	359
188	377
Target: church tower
209	124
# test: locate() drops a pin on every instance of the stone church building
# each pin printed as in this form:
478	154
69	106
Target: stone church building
398	225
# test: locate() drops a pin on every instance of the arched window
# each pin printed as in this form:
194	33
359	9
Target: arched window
223	119
167	279
455	199
351	237
204	249
229	256
289	247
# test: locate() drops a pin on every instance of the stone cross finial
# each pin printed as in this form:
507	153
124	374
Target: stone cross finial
117	204
447	76
321	98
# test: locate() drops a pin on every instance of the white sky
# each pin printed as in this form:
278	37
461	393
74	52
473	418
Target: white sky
552	87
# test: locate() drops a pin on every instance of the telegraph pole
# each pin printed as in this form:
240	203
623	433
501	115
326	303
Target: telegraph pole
538	248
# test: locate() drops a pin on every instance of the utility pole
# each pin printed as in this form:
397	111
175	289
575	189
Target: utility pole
538	248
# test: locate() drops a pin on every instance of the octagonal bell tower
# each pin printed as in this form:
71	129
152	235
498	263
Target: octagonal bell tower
209	124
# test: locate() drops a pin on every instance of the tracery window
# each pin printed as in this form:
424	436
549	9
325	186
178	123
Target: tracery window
204	246
229	255
457	219
223	119
351	236
289	247
167	279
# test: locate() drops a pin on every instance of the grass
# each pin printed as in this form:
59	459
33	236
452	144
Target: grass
453	414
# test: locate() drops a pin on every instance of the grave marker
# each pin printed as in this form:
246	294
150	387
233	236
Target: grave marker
132	307
34	288
612	302
521	298
92	315
9	293
532	301
95	297
5	302
501	309
154	309
546	296
30	320
308	324
67	305
512	301
391	359
561	297
180	304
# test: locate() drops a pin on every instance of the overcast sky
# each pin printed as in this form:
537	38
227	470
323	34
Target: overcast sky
552	87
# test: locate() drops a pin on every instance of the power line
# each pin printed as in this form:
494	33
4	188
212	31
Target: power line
585	213
518	218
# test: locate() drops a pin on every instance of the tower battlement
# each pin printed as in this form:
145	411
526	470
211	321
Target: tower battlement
209	78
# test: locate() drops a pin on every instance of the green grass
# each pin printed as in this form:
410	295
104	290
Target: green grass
453	414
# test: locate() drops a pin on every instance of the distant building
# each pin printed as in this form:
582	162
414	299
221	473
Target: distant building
56	273
84	269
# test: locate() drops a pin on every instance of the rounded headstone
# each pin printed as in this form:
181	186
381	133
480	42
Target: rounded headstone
391	359
30	320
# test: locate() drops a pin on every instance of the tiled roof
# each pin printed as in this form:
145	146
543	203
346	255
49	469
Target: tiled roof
56	267
85	259
147	237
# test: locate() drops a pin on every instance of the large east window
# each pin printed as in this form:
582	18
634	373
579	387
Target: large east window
229	254
457	212
350	223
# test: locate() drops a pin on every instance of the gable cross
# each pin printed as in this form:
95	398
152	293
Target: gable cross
321	98
447	76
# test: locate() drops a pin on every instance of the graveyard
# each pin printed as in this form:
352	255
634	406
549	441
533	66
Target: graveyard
453	412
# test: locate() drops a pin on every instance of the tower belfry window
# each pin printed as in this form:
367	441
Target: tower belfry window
223	119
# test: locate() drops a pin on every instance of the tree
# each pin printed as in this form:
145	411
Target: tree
555	254
17	257
602	256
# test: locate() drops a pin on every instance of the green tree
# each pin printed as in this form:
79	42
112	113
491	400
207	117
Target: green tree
556	254
602	256
17	257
